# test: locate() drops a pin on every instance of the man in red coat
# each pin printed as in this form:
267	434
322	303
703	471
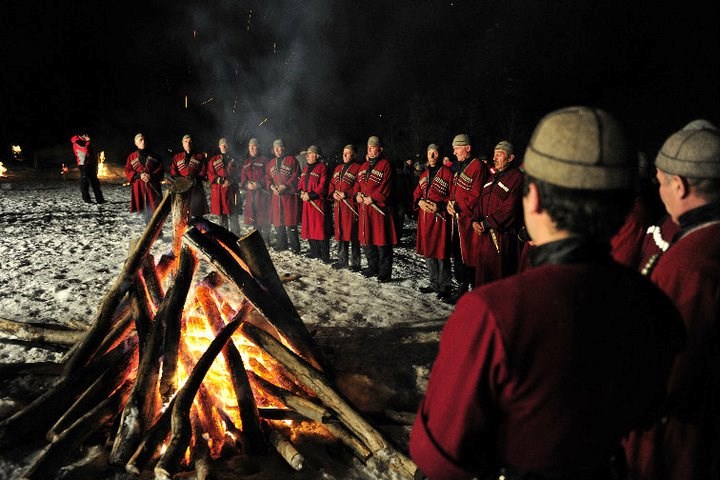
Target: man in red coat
464	207
257	196
539	375
376	226
684	444
501	220
87	163
433	223
192	165
144	170
223	176
341	190
313	186
282	175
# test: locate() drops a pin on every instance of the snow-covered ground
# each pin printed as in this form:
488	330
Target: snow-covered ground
59	256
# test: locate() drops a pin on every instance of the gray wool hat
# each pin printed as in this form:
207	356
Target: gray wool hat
374	141
254	141
505	146
692	152
350	147
187	137
581	148
222	141
313	149
138	136
461	140
433	146
278	143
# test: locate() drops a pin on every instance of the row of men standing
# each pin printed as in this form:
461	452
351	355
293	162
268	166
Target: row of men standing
469	211
279	194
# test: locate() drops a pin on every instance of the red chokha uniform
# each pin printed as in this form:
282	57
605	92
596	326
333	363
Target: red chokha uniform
192	165
144	170
464	207
376	228
341	191
501	208
282	175
433	222
257	196
313	187
223	175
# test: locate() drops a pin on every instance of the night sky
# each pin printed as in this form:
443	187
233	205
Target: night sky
335	72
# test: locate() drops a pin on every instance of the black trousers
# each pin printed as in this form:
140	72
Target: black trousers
379	260
348	253
88	178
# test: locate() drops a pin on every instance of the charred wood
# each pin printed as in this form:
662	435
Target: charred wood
170	314
286	449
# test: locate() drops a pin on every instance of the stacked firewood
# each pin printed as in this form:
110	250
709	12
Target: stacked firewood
123	375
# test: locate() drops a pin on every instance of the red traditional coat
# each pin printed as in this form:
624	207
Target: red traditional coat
144	196
544	371
433	230
374	227
466	190
684	445
501	207
193	166
257	202
82	150
345	214
223	199
284	209
314	181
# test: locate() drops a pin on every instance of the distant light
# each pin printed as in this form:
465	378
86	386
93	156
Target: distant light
186	101
208	100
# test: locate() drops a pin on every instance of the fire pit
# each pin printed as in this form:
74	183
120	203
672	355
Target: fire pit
180	378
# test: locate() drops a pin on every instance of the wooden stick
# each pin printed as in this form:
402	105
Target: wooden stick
40	333
305	374
286	449
295	334
180	422
143	402
33	421
170	314
86	348
252	433
155	436
30	368
153	283
106	383
182	187
54	455
200	451
350	440
301	405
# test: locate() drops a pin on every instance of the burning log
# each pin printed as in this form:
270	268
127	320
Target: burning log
40	333
180	436
201	451
153	283
295	333
252	432
87	347
301	405
142	403
286	450
150	443
52	458
315	382
170	314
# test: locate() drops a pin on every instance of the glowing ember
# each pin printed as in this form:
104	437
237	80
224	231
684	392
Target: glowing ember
2	170
17	153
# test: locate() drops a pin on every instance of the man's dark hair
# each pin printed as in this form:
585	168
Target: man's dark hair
706	188
591	213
